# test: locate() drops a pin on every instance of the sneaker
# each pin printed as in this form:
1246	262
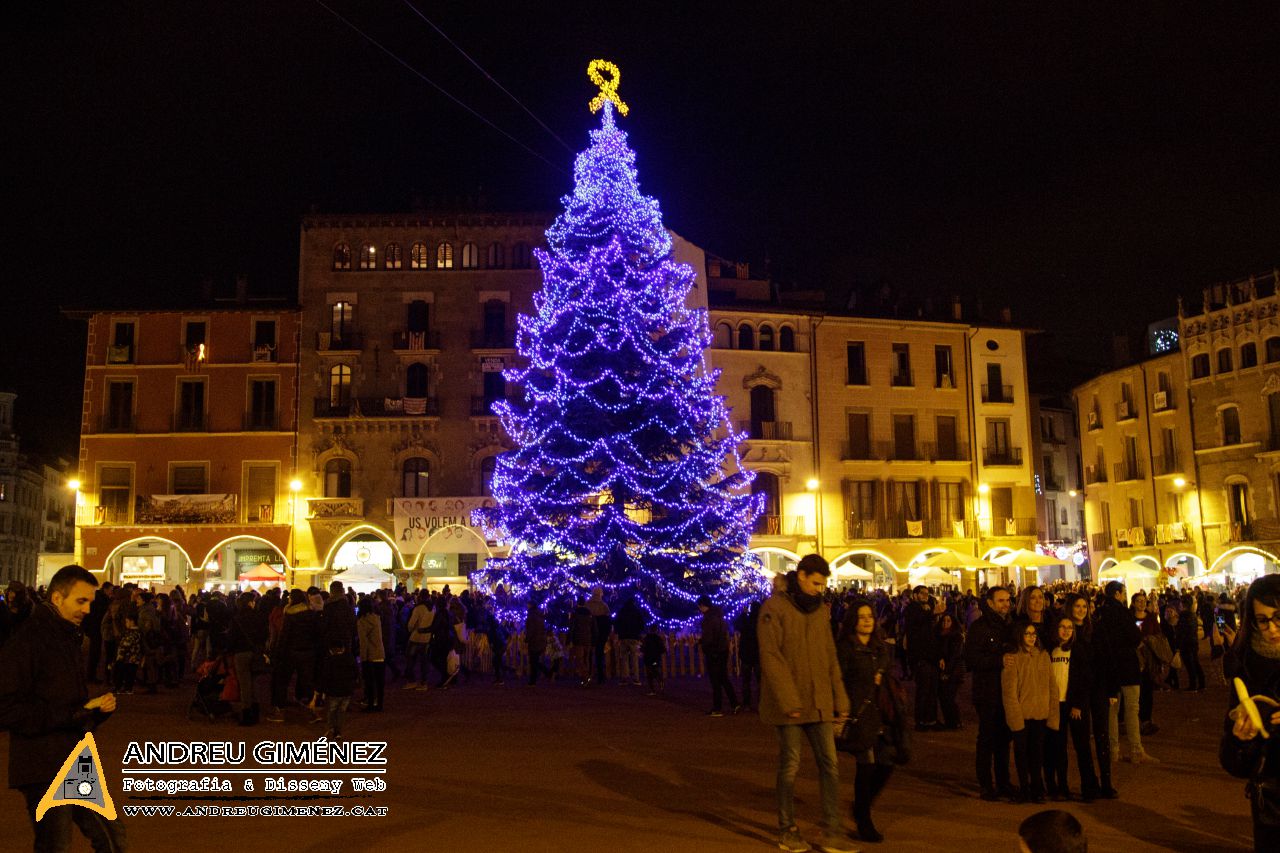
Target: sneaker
836	843
274	716
423	686
651	693
790	840
737	709
717	714
410	685
1141	756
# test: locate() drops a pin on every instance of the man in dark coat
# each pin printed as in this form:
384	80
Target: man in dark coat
93	629
715	652
749	649
984	652
1117	637
45	706
922	657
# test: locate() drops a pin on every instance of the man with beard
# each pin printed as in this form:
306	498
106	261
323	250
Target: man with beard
984	652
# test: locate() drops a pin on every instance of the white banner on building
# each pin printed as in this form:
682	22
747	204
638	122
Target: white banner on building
416	519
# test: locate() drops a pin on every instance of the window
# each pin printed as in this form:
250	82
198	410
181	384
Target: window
415	475
470	256
190	405
861	506
495	324
264	335
262	404
119	406
905	497
121	349
950	503
342	257
1001	507
1230	425
415	380
995	391
487	466
339	385
444	256
859	435
1249	355
337	478
193	334
260	493
495	388
493	256
1224	361
368	257
1200	366
1238	506
904	437
769	522
520	256
189	479
746	337
419	257
943	375
947	446
1272	350
901	376
391	256
341	322
762	412
723	337
856	358
766	338
115	494
786	339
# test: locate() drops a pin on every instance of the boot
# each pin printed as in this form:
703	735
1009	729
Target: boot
864	791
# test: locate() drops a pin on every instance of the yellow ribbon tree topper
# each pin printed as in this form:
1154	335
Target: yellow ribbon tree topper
608	86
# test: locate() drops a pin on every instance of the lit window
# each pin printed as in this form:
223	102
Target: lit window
444	256
470	256
419	257
368	257
342	257
415	474
391	256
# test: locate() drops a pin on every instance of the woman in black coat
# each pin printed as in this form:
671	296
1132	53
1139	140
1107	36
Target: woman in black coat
1073	715
1086	654
1255	660
950	667
864	660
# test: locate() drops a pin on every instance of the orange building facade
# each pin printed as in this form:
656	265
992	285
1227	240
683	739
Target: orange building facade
188	444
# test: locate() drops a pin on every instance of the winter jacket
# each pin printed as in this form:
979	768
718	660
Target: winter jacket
859	664
582	627
535	632
630	621
1080	676
339	623
1258	758
420	624
42	696
748	637
600	613
799	669
248	632
339	674
369	630
951	651
1029	690
1116	637
301	631
984	651
715	632
921	641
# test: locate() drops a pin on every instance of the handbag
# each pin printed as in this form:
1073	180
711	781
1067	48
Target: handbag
844	737
1265	796
1176	663
893	710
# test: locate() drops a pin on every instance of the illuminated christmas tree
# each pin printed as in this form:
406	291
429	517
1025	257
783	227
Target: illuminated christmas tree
627	472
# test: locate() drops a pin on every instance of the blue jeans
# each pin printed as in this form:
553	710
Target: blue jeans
823	742
53	834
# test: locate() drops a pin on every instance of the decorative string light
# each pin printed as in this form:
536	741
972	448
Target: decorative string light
627	474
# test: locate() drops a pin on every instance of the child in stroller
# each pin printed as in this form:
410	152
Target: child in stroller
211	681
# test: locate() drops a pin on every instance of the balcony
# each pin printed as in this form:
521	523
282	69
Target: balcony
929	528
120	354
764	430
261	422
506	339
1135	537
1094	419
997	526
862	528
899	378
1100	541
378	407
415	341
891	451
1172	533
993	456
116	423
1125	411
191	422
1094	474
1128	471
335	508
997	393
1163	466
482	407
946	381
857	451
264	354
1162	401
347	342
781	525
953	452
1051	482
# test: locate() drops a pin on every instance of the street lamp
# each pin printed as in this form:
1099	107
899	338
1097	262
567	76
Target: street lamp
1179	482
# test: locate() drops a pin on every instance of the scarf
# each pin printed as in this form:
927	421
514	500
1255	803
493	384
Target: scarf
1271	651
806	603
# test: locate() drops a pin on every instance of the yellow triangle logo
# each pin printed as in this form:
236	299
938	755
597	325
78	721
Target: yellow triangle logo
79	783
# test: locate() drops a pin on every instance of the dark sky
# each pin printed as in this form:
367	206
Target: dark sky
1082	163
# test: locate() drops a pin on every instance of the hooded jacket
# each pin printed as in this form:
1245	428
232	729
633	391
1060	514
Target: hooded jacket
1029	690
715	632
799	669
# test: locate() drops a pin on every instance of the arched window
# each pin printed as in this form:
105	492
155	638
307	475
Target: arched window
1224	360
342	257
746	338
339	385
786	339
1200	366
444	256
391	256
724	336
1272	350
493	258
766	338
415	474
520	256
1248	355
769	522
419	258
763	414
470	256
1230	425
368	257
337	478
415	380
487	466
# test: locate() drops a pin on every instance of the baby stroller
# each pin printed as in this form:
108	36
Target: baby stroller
211	681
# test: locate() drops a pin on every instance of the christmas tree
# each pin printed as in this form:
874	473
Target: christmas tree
627	473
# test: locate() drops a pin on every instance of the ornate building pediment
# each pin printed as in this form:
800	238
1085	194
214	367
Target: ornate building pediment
765	453
1272	385
762	376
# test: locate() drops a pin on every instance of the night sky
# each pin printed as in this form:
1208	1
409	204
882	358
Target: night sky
1081	163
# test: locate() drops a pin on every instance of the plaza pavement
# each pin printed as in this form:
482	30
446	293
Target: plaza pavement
559	768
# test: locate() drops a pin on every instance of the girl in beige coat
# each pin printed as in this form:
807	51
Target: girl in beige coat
1030	702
